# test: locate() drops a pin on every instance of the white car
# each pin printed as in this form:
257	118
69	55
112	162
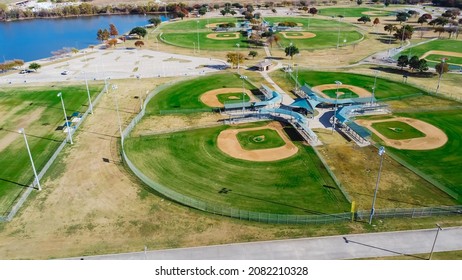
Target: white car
65	72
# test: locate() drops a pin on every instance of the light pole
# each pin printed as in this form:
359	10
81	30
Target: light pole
198	42
373	88
440	73
65	118
21	130
336	105
237	55
438	228
88	92
338	34
114	88
243	93
381	153
194	47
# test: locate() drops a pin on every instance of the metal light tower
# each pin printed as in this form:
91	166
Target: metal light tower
338	34
374	87
243	93
381	153
88	92
21	130
443	61
114	88
336	105
198	42
237	54
65	118
438	228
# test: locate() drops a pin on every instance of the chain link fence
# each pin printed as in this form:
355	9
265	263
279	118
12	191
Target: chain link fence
18	204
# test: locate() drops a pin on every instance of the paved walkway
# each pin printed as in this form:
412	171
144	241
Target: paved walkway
322	248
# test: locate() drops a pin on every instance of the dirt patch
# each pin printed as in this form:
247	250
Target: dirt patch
454	54
359	91
213	25
214	36
210	98
434	138
304	35
228	143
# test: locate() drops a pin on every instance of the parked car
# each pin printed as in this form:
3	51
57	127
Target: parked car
25	71
65	72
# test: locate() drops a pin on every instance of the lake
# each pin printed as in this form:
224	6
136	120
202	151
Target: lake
37	38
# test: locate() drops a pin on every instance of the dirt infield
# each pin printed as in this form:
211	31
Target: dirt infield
454	54
434	138
305	35
213	36
227	142
359	91
210	99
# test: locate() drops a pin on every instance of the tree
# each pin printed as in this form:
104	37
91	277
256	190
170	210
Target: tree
359	2
414	62
390	28
422	20
387	3
376	21
439	30
403	61
202	11
253	54
291	51
273	39
112	42
364	19
224	12
113	30
313	11
181	15
422	66
140	31
139	44
155	20
441	68
404	33
234	58
34	66
402	17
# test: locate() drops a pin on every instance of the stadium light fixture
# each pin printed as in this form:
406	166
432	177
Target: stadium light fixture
374	87
114	88
338	83
88	92
60	95
238	57
21	130
243	93
198	42
381	153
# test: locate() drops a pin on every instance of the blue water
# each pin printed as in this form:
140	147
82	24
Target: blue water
35	39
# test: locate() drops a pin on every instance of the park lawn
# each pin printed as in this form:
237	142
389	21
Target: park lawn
442	164
190	163
436	45
347	93
397	130
323	39
185	95
232	97
310	22
353	12
384	88
449	59
189	40
192	25
260	139
38	110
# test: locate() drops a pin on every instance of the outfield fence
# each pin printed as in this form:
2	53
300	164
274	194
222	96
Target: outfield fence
270	217
18	204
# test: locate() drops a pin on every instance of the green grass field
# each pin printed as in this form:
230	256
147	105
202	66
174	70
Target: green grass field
185	34
39	112
384	88
449	59
397	130
260	139
442	164
232	97
353	12
347	93
190	163
186	94
436	45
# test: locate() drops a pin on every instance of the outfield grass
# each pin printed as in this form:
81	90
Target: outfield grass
190	163
397	130
44	109
186	94
232	97
384	88
353	12
449	59
347	93
260	139
436	45
323	39
442	164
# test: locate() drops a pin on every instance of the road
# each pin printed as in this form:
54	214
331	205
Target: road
321	248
